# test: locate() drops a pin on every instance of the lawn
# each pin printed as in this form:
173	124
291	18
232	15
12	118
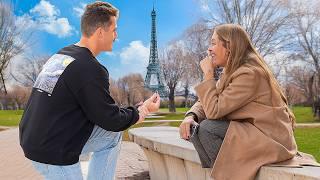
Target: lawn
10	118
308	140
166	110
304	114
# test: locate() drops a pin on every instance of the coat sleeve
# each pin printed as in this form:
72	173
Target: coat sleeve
240	91
198	110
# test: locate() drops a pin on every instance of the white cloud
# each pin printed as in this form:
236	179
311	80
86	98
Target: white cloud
79	10
44	8
133	59
135	53
59	27
44	16
26	22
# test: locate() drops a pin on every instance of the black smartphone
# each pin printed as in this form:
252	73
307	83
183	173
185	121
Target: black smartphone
193	129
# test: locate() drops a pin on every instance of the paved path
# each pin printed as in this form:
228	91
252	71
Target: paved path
132	164
308	125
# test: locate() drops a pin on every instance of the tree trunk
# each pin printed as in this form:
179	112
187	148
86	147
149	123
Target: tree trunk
310	86
172	107
4	85
317	97
186	94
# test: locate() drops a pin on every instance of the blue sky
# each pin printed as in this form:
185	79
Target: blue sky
56	23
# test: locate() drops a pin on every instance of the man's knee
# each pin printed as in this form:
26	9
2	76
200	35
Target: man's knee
116	138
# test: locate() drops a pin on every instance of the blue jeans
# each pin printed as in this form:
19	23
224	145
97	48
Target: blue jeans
105	146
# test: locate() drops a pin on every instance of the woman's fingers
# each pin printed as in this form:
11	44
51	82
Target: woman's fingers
181	130
188	130
184	130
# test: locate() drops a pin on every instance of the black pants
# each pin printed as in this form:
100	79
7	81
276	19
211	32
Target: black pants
207	140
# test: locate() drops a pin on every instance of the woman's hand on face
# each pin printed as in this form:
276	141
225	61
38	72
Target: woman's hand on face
208	66
184	128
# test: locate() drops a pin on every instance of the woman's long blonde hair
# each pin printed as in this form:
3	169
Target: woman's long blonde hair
241	51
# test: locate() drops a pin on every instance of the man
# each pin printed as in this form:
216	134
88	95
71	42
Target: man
70	110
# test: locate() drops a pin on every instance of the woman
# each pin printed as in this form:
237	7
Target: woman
249	124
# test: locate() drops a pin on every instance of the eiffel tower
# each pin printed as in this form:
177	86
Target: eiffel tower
154	79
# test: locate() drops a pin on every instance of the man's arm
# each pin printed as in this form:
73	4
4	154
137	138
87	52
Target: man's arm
100	108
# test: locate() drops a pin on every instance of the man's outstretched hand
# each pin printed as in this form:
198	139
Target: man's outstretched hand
153	103
150	105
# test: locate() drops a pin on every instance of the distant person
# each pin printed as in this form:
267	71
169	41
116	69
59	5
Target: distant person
242	121
71	112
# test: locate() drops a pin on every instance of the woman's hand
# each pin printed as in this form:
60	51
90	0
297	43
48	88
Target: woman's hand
184	128
208	66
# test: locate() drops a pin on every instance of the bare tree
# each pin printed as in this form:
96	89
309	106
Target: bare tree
308	31
11	41
190	76
129	90
266	21
26	71
306	25
134	88
19	96
293	94
173	67
196	40
300	78
115	91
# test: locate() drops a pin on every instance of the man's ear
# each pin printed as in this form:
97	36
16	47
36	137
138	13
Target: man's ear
99	32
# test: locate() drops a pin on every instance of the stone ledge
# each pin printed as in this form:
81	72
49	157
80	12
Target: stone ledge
170	157
282	173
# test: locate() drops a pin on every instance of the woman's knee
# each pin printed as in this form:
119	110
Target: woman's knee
214	128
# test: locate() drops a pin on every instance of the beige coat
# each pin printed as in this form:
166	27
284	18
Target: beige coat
260	131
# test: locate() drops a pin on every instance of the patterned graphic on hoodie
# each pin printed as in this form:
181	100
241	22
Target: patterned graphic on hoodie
52	70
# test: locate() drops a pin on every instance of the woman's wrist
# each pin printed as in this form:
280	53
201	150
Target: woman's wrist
192	115
209	75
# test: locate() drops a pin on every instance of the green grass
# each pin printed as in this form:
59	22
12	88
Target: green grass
304	114
10	117
308	140
181	110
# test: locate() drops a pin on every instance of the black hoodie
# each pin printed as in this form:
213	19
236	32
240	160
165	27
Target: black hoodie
69	97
